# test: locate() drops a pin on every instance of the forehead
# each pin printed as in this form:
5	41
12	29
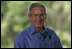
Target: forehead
37	10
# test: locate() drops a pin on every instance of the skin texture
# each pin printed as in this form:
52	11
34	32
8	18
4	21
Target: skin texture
37	18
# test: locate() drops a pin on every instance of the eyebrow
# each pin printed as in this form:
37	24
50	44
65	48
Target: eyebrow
38	14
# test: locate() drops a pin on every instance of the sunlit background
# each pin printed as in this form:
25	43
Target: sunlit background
14	19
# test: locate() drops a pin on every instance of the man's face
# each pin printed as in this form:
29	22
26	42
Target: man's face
37	17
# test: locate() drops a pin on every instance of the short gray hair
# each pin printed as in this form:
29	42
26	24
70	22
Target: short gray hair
37	5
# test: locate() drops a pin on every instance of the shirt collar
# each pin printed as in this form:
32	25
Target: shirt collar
32	29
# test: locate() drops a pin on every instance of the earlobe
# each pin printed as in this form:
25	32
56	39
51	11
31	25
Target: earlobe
29	17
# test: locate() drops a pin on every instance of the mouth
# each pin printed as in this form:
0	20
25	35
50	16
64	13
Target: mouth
39	21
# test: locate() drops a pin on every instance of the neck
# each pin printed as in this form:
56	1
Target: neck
39	29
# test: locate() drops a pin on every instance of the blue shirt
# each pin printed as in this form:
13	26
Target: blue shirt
30	38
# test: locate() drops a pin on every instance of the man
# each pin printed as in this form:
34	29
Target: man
37	36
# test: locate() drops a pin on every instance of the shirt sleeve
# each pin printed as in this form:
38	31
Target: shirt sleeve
59	45
58	42
19	42
16	44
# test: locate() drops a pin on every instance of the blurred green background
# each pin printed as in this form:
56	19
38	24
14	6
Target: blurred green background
14	19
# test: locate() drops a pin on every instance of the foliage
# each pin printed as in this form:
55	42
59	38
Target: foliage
14	19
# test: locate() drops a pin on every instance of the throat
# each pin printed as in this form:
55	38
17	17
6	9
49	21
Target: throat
39	29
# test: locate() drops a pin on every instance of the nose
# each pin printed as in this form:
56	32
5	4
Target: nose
39	17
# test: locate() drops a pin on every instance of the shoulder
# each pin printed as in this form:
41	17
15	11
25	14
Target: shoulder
55	38
50	31
22	34
20	39
53	33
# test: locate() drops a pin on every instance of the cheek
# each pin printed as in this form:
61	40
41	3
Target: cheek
33	19
42	18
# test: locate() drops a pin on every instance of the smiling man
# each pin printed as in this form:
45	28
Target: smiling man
37	35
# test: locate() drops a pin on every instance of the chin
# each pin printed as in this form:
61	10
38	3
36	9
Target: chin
39	25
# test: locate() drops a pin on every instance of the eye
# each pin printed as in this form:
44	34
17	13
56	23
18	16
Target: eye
41	14
35	14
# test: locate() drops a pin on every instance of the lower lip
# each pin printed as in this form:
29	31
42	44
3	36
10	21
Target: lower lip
39	23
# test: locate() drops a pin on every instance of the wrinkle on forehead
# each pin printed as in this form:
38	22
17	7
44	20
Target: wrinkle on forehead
37	10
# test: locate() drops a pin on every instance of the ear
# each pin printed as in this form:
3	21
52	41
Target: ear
45	17
29	16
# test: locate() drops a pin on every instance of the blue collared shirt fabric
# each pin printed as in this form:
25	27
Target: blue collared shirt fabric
30	38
